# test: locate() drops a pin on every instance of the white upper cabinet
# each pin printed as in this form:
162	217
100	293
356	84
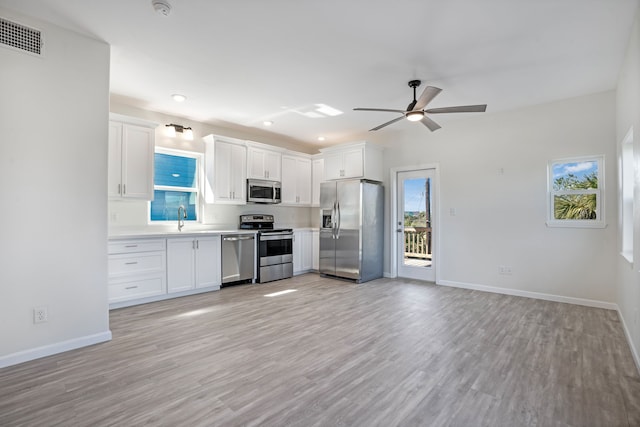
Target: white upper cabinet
296	180
263	164
317	172
225	170
359	160
131	151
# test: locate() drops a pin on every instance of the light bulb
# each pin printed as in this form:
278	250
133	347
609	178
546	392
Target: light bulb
415	116
170	131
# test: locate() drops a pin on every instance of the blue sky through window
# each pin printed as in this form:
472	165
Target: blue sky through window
578	169
414	194
175	171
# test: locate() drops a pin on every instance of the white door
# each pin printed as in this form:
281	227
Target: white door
414	224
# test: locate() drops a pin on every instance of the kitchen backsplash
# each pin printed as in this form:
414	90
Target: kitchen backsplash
135	214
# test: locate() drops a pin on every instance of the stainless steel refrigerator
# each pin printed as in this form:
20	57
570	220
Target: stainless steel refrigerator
351	229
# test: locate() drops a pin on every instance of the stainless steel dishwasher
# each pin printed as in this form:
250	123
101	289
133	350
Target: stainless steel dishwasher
238	258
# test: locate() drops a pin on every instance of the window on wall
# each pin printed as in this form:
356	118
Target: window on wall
627	173
176	183
575	192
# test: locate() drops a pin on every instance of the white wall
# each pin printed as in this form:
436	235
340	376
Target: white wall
628	115
53	162
501	218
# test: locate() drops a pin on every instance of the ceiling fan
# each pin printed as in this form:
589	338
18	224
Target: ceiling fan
415	112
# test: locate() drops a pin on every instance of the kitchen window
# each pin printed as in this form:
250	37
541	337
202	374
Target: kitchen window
175	183
575	191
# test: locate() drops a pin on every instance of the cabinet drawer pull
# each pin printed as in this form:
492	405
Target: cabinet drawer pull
131	246
132	287
131	263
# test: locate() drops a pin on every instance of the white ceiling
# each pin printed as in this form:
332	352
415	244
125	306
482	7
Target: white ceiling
246	61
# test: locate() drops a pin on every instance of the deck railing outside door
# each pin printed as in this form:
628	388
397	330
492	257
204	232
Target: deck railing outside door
417	242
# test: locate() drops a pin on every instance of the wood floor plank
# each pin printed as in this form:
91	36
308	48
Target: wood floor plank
389	352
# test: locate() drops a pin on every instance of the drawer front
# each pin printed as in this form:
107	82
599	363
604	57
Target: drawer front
134	289
136	263
133	246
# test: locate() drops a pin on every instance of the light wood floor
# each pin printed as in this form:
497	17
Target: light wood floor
383	353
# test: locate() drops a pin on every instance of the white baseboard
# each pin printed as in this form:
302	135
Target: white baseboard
529	294
49	350
634	351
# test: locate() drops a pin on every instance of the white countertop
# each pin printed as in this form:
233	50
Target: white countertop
123	233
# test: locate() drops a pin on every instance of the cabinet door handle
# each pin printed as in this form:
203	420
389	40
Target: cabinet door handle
131	263
119	188
124	189
197	244
131	287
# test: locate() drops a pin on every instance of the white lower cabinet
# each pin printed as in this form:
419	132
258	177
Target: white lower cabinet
137	269
315	262
193	263
302	251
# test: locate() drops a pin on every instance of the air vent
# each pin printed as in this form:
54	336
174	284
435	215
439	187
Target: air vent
20	37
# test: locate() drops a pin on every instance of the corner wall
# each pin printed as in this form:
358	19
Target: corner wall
493	171
53	170
627	116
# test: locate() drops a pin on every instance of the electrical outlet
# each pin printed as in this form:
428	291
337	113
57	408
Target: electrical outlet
505	269
40	315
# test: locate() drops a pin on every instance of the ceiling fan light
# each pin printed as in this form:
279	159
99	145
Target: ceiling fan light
415	116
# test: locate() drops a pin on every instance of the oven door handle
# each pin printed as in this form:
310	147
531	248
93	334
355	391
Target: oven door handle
277	237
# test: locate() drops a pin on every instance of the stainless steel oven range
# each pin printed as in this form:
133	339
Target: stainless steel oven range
275	247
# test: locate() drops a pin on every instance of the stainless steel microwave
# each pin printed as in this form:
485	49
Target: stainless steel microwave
262	191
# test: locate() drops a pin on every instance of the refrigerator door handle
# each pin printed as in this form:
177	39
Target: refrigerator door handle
338	221
333	221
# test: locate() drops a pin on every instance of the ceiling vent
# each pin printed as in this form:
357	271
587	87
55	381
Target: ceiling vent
19	37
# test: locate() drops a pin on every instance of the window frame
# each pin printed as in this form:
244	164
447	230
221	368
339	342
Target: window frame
198	190
599	193
627	173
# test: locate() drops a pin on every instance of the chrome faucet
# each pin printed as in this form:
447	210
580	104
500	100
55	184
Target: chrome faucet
181	217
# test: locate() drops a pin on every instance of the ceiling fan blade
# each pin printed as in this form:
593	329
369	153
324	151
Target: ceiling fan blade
459	109
378	109
433	126
427	96
387	123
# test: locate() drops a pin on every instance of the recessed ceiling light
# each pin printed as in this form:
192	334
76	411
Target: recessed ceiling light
267	123
178	98
321	138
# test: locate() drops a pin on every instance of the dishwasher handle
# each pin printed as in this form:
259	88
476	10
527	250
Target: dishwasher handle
236	238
